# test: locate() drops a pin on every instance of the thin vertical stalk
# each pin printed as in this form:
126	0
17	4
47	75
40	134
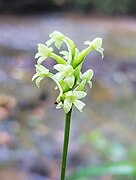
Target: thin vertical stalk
65	144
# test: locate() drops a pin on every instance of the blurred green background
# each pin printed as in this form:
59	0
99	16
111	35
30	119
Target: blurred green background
31	129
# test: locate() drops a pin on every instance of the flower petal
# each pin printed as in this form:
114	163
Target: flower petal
101	51
59	76
87	43
44	50
58	44
70	80
67	105
56	35
79	104
37	55
35	76
87	75
41	69
79	94
49	42
41	59
65	54
69	93
59	67
59	105
97	43
38	80
90	84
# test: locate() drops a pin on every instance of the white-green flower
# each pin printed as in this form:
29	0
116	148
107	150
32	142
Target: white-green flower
43	53
41	73
87	76
57	38
66	73
72	97
96	44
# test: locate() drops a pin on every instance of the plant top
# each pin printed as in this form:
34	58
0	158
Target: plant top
69	78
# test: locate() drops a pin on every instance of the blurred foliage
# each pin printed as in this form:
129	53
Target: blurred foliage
112	6
107	7
124	169
120	159
109	150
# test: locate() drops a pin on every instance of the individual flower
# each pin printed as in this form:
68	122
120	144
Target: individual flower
41	73
72	97
87	76
43	53
57	38
96	44
66	73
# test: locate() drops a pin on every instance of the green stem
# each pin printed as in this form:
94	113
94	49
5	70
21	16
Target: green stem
65	144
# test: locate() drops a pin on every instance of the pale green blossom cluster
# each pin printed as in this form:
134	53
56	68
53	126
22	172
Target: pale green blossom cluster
68	77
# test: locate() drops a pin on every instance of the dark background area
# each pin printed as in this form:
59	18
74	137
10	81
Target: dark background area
99	7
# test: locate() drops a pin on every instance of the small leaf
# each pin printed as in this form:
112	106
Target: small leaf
100	170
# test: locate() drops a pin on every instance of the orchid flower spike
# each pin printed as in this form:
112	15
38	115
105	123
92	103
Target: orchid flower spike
68	76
